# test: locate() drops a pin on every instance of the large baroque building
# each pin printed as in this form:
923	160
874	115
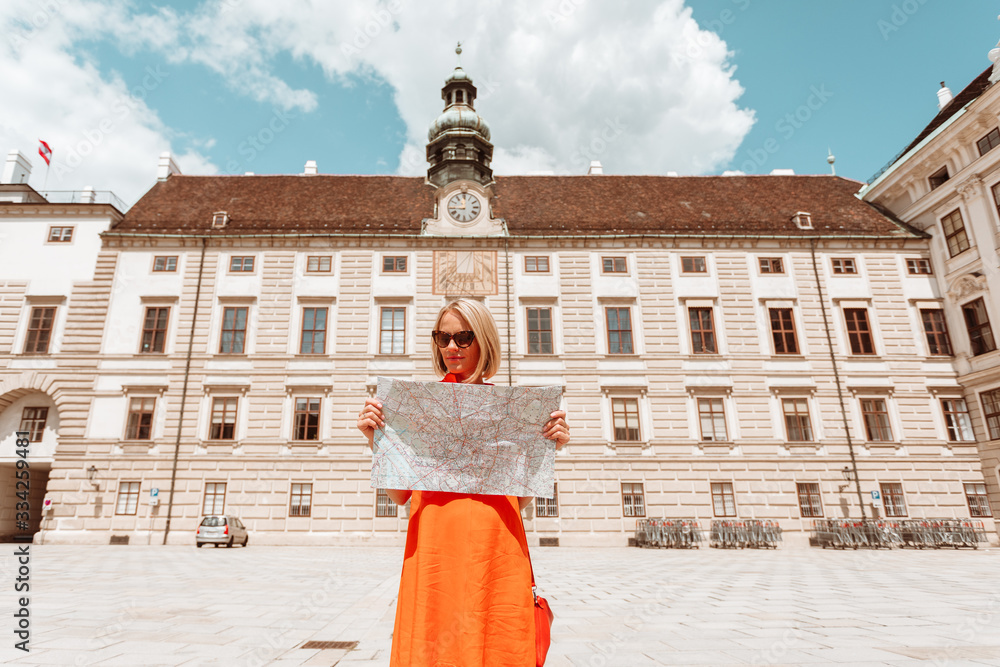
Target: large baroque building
946	182
727	347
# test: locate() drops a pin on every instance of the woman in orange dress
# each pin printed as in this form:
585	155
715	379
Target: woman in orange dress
465	592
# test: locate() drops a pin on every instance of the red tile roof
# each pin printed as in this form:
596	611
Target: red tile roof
531	205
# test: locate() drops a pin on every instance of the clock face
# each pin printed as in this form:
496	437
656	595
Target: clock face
464	206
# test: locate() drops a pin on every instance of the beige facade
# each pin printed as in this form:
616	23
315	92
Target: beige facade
948	184
720	342
665	378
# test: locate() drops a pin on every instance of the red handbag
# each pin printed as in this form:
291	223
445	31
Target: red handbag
543	622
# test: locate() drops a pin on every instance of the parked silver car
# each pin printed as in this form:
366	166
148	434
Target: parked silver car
221	529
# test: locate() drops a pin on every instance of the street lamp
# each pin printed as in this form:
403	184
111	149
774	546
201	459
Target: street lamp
849	477
91	472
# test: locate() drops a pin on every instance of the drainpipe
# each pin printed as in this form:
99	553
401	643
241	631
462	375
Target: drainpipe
187	373
836	379
506	252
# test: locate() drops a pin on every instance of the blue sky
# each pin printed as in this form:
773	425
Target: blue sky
230	86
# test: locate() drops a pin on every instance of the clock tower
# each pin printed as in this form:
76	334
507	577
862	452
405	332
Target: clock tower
458	146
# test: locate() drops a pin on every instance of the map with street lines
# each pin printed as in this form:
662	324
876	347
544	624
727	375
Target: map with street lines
465	438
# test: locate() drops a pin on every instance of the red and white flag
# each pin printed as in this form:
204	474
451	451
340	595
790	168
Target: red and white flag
45	151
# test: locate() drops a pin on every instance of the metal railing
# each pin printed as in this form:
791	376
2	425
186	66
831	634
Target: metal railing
84	197
668	533
889	534
748	533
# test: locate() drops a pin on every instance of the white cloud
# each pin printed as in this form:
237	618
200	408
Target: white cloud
638	86
101	131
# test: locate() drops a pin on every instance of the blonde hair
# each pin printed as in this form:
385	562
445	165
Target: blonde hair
487	335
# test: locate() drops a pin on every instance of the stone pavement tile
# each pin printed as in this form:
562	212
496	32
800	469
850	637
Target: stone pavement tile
613	660
148	659
851	654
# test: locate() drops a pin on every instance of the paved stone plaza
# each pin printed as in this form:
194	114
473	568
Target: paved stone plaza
150	605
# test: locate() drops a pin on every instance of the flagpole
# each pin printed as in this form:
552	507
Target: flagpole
45	183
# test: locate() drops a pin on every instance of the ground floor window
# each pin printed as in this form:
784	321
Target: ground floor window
633	501
892	498
548	507
215	498
301	500
979	502
128	498
384	505
810	503
723	500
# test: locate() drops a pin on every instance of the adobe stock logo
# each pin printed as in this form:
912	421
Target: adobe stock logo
787	126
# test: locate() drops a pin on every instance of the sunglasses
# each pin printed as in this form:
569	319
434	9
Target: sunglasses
462	338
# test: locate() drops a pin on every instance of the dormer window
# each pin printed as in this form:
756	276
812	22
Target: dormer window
802	220
938	178
219	219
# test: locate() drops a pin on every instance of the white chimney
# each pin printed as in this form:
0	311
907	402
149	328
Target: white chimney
944	96
311	169
17	168
595	168
166	166
87	196
782	172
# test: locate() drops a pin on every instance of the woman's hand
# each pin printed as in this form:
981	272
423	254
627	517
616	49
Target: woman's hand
557	429
370	418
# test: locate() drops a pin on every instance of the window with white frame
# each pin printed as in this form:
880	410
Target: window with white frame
957	420
712	419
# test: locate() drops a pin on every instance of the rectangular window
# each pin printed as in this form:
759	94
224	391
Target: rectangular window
989	142
300	502
614	265
319	263
810	503
712	417
979	502
783	331
844	266
539	331
957	420
991	412
619	330
625	419
876	418
771	265
306	425
215	498
723	500
892	498
797	423
384	505
954	233
223	426
702	331
693	265
633	500
977	322
128	498
938	178
234	330
536	264
548	507
394	264
241	264
40	330
165	263
313	331
154	330
33	422
936	330
393	331
918	267
140	419
859	331
60	234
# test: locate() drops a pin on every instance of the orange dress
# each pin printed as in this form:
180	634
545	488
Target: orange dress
465	592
